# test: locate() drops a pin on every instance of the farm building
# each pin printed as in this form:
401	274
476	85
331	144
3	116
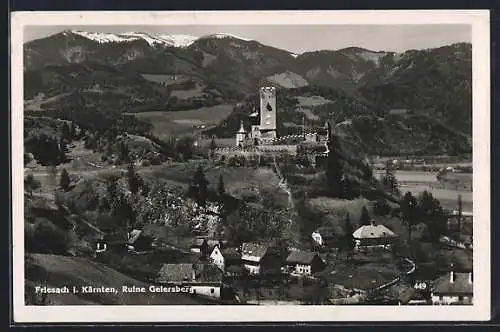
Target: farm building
304	262
200	279
260	259
373	235
453	288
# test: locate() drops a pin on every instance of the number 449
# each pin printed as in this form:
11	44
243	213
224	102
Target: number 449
420	285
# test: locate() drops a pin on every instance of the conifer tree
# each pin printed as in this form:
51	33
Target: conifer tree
65	180
365	216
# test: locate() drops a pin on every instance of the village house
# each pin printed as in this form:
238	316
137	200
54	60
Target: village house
199	245
225	258
112	241
204	246
304	262
453	288
260	259
139	242
202	279
373	236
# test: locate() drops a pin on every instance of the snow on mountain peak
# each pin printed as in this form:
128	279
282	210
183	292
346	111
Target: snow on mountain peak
224	35
153	40
103	37
179	40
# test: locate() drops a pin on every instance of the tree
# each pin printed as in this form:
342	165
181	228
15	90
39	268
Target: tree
199	186
426	202
349	243
433	216
31	184
365	216
389	179
65	180
134	179
213	147
381	207
334	169
220	187
123	153
459	216
410	212
66	131
73	130
347	188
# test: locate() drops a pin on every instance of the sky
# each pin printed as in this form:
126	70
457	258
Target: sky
302	38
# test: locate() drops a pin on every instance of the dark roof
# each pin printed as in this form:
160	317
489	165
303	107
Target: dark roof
184	273
230	253
197	242
254	250
134	235
301	257
209	273
460	285
115	238
235	269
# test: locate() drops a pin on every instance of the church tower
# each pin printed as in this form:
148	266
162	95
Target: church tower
268	112
240	135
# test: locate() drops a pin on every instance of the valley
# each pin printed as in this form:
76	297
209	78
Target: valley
165	139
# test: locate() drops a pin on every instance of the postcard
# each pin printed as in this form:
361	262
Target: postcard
296	166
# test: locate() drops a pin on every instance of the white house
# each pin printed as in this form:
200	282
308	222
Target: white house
217	258
224	258
453	288
372	236
259	259
201	279
316	236
304	262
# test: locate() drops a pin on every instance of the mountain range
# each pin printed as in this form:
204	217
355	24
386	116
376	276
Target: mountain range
136	72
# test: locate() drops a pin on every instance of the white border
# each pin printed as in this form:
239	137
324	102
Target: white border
480	311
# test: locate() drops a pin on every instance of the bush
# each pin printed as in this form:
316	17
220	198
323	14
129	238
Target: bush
45	237
146	163
381	208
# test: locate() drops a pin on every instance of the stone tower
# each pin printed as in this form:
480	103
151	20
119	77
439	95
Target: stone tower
268	112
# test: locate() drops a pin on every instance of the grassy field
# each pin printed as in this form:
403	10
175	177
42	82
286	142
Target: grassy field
237	181
191	93
166	79
59	271
365	276
446	191
312	101
168	124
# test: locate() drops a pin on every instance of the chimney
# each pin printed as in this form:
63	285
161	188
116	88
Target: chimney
470	278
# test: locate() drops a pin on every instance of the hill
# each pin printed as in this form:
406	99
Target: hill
59	271
136	72
359	123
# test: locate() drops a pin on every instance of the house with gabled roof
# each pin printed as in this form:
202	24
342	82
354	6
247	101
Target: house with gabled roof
304	262
373	235
200	279
453	288
225	257
260	258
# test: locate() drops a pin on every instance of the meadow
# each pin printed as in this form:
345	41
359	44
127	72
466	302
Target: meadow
179	123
